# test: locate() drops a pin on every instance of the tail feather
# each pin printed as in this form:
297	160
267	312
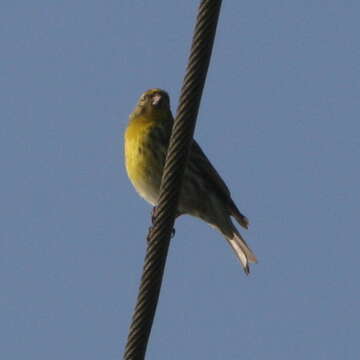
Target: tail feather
221	220
242	250
240	218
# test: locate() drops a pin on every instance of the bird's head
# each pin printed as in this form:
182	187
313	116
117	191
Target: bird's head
153	102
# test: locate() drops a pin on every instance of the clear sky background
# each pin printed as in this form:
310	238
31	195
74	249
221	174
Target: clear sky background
280	121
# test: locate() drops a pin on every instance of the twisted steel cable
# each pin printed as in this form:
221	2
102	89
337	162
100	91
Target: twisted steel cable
181	138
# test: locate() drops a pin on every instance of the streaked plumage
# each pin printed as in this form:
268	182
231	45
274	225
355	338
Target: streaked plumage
204	194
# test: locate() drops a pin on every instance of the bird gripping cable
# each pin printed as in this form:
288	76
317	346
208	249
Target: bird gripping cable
181	138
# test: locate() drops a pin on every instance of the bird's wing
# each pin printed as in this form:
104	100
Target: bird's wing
205	168
202	165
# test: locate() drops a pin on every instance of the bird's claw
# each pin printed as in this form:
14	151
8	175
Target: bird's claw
153	214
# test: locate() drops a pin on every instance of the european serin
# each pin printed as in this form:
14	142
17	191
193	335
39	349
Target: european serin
203	194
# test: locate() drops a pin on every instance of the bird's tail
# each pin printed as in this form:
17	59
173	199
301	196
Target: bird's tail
221	221
236	241
241	249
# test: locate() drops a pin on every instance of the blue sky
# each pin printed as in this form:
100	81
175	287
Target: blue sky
279	120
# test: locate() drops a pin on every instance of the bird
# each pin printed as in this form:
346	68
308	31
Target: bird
204	193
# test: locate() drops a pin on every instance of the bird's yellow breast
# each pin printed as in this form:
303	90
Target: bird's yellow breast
143	167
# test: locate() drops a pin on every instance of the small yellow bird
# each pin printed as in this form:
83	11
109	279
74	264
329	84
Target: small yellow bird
203	194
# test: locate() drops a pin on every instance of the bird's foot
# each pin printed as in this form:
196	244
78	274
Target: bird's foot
153	214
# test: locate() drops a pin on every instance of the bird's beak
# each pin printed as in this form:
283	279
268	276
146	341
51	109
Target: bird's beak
156	100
